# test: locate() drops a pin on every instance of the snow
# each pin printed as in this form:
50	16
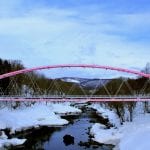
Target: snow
103	135
35	116
4	141
131	135
71	80
64	108
132	142
136	132
107	114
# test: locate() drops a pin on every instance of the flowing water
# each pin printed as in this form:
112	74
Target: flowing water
78	129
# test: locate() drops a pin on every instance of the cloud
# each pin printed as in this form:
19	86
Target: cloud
47	34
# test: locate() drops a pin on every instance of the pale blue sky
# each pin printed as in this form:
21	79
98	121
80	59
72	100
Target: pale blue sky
105	32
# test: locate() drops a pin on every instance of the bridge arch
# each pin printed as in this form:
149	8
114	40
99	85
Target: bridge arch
14	73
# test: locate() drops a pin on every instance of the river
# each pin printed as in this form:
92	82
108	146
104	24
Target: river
52	138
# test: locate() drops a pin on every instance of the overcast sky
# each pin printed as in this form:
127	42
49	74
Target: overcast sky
104	32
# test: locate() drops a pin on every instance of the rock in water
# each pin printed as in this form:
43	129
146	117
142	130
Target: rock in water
68	139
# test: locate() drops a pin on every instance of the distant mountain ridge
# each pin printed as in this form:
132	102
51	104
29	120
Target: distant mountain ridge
85	82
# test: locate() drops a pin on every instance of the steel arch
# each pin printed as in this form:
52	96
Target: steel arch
14	73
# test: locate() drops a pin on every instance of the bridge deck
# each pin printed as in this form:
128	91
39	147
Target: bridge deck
69	99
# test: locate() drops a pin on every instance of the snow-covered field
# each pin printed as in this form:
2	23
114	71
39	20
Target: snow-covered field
35	116
129	136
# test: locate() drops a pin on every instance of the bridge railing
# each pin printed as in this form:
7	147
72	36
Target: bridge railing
76	96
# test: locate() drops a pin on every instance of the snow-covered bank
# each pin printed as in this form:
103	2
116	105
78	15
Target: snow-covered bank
131	135
25	118
64	109
103	135
107	114
136	135
4	141
35	116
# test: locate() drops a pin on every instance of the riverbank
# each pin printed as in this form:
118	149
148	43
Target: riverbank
78	129
130	135
88	124
34	117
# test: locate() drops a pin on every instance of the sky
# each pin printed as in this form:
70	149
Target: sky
105	32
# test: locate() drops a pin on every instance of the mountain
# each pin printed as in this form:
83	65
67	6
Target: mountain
86	83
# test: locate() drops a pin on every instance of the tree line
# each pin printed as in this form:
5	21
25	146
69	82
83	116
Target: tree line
34	83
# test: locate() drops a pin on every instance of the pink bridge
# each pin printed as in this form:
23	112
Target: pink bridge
14	73
74	66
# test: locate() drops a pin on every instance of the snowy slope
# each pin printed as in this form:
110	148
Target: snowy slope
106	113
72	80
131	135
86	83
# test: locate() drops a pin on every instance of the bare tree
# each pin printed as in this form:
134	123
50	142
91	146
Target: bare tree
147	71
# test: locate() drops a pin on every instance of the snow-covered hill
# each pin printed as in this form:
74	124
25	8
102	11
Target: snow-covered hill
86	83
